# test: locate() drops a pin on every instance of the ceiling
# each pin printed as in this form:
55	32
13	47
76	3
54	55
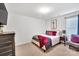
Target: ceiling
30	9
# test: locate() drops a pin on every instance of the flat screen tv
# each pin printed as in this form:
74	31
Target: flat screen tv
3	14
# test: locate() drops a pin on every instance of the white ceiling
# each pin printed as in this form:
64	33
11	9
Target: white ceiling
30	9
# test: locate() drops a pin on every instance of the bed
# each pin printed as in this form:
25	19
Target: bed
49	40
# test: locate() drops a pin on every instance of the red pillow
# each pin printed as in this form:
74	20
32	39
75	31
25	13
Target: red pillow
53	33
49	33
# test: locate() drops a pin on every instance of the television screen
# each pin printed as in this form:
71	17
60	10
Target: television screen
3	14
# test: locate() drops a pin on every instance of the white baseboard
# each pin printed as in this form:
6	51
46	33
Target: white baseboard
21	43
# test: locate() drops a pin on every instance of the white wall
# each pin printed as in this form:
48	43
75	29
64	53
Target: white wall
61	20
24	27
61	24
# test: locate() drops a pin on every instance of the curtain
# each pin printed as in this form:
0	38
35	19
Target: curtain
78	24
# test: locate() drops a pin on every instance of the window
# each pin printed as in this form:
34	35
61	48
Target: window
71	25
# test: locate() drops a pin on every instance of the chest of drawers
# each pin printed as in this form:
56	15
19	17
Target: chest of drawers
7	44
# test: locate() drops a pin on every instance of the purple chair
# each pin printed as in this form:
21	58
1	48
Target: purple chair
75	38
74	44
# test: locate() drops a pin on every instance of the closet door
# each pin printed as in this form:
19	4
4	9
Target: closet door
71	25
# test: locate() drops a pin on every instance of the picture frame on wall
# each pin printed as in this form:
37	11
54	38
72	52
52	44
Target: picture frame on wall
54	24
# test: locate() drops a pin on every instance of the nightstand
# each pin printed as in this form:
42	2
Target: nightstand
63	39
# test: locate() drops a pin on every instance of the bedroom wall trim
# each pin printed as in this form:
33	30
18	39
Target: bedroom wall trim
22	43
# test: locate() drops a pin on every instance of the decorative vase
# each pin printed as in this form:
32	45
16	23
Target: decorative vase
1	28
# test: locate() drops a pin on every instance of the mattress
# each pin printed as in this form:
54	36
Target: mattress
54	39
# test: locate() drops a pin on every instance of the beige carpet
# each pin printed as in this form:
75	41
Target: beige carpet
30	49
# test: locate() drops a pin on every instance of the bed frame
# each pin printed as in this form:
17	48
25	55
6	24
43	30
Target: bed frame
43	48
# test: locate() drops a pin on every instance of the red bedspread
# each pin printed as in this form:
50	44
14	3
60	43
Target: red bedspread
43	40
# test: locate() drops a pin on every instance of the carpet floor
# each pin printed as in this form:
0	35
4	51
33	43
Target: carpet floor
30	49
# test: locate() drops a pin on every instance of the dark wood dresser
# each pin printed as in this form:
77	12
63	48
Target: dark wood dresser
7	44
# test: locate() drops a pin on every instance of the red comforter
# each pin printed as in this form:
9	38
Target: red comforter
43	40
